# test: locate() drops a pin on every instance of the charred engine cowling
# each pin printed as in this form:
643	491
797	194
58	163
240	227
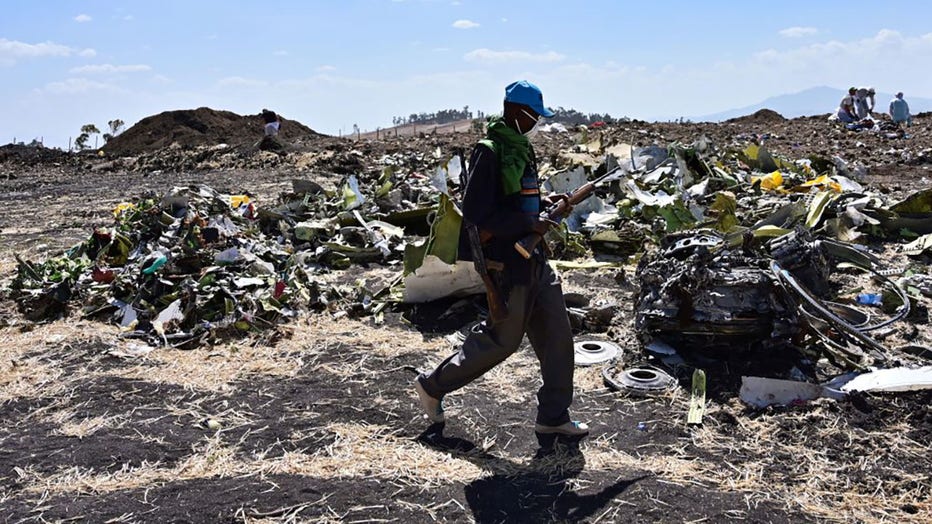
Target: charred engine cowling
804	257
698	293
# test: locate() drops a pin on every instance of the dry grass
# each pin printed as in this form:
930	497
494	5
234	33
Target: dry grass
807	471
26	371
850	482
213	370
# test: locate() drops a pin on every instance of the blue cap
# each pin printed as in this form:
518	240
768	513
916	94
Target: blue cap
526	93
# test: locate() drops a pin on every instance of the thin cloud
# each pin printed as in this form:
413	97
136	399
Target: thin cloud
280	52
326	69
73	86
465	24
878	48
82	18
798	32
110	68
238	81
11	51
490	56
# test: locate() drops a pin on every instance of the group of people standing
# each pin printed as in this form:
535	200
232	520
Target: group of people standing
859	103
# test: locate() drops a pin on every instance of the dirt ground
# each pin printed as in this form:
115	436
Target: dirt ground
320	423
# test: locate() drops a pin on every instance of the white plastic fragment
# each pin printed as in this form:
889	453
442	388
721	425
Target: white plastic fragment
894	379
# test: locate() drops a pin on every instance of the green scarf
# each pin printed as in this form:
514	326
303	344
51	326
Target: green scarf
512	149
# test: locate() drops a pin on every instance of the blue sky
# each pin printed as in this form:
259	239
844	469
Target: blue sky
332	64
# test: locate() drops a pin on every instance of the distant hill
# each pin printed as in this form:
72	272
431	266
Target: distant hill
813	101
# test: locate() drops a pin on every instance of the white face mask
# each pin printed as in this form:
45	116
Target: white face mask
533	130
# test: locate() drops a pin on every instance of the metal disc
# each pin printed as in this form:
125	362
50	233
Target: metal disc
645	380
589	352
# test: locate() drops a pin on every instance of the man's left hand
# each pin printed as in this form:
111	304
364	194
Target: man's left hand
551	200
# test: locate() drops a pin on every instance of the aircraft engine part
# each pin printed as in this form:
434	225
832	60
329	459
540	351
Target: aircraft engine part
696	293
589	352
640	380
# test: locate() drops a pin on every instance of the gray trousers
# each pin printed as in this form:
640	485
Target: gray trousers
537	310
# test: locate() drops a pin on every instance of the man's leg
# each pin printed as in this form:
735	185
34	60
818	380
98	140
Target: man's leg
483	348
551	336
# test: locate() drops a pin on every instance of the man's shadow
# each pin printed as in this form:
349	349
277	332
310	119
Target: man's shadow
535	492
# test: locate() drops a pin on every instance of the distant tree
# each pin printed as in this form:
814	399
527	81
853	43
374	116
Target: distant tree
116	126
86	131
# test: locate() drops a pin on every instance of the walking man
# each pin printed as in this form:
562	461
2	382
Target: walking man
503	201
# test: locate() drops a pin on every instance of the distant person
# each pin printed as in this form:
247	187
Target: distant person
846	112
272	122
861	98
899	110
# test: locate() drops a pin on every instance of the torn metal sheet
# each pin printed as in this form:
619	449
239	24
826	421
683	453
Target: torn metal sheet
167	316
761	392
436	279
919	202
583	264
447	172
567	182
352	196
445	231
660	198
918	246
892	380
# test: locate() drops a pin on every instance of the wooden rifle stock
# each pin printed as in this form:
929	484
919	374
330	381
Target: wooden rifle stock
498	310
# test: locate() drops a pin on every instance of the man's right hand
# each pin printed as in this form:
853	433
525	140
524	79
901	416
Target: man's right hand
542	226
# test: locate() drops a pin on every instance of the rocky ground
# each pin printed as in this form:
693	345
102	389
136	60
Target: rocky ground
318	422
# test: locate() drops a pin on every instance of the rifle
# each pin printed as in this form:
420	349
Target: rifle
498	310
556	212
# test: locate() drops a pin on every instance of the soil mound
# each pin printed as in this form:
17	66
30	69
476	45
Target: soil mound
29	155
191	128
762	116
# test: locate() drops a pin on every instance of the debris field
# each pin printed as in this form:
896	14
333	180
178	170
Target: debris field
199	325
